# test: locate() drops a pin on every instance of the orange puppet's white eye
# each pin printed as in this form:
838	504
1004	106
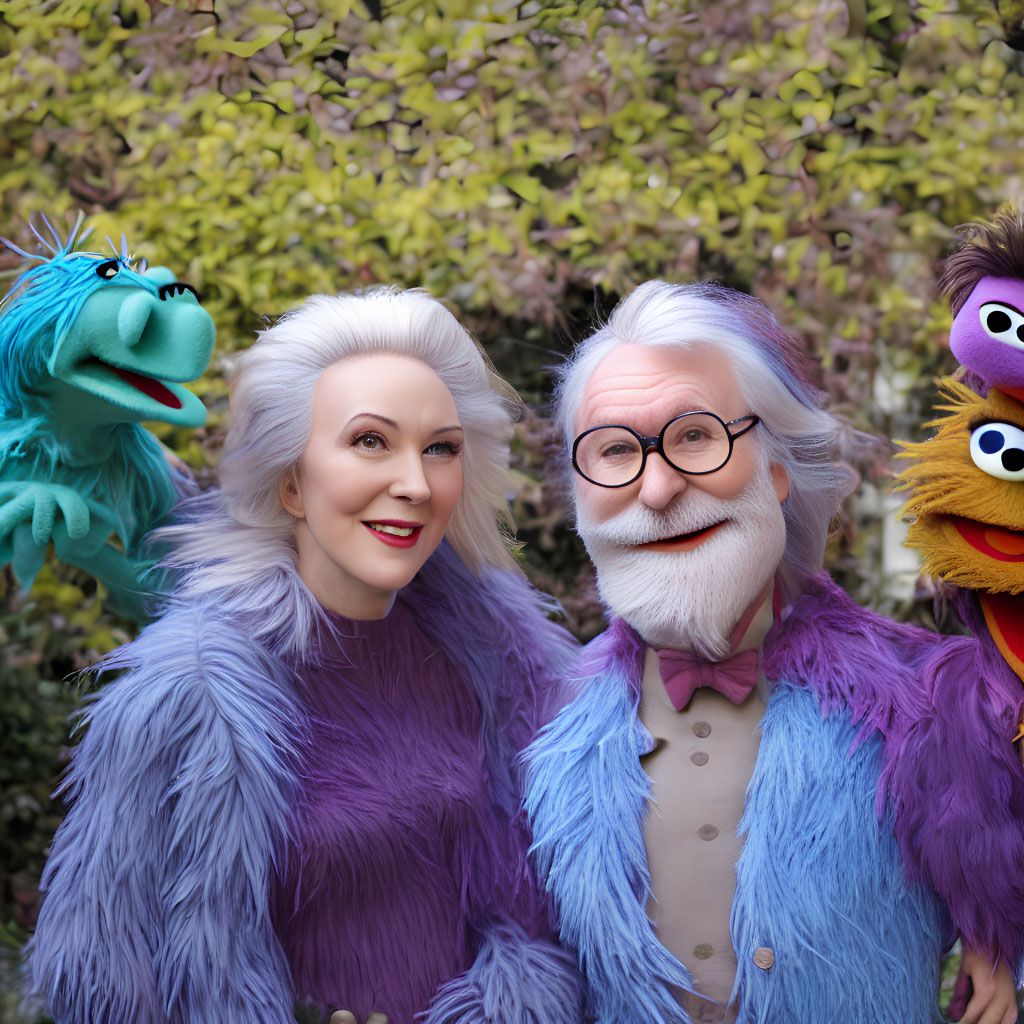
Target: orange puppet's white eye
998	450
1002	322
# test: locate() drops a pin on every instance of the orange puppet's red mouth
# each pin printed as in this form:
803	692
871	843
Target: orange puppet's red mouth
993	541
685	541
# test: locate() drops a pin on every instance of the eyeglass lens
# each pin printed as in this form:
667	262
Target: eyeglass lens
694	443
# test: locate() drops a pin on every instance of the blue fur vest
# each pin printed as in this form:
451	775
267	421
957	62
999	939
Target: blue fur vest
820	879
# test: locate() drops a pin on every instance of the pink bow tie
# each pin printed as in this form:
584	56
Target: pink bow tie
683	672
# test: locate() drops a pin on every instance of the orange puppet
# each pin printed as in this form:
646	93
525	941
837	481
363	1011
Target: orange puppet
968	499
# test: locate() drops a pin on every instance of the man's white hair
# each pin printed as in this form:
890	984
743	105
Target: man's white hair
796	432
243	531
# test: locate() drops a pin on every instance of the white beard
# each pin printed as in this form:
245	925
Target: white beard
689	600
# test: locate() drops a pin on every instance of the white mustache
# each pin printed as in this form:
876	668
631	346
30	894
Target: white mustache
639	524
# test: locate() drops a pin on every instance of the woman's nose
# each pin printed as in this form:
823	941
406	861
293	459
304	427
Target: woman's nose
410	482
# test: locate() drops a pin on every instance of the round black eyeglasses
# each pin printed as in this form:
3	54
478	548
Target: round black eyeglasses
694	443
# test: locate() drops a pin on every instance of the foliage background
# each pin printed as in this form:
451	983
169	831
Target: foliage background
529	163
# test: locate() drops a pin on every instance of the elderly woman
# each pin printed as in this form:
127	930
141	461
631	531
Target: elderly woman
299	794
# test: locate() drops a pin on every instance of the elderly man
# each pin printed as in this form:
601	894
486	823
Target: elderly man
707	812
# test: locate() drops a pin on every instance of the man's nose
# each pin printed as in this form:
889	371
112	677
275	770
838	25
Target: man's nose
410	482
660	483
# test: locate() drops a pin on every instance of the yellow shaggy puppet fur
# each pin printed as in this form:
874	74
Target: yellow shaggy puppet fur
947	487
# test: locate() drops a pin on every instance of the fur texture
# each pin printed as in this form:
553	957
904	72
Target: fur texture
957	787
845	678
259	822
514	980
586	799
954	775
853	659
80	358
821	884
987	250
947	709
155	902
947	487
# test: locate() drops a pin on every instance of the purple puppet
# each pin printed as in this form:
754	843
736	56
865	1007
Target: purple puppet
299	795
985	281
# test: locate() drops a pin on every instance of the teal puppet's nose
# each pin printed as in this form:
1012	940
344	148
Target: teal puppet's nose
132	317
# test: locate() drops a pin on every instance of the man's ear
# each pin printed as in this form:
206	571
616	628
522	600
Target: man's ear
290	494
780	480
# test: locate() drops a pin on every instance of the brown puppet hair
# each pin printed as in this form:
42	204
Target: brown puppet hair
988	250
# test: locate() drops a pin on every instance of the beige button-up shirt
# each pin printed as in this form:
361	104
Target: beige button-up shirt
699	769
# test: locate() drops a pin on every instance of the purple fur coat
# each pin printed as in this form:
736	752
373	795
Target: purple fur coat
957	787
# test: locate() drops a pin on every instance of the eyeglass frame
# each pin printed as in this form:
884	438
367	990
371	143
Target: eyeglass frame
657	443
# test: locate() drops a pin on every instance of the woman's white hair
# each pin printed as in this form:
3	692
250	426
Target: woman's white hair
795	431
245	530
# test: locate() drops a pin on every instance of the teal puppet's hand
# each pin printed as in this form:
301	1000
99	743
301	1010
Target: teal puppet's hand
24	501
81	535
28	522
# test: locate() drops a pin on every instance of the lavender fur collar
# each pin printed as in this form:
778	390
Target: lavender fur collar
850	657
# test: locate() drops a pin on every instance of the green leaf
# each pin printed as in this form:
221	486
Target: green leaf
524	185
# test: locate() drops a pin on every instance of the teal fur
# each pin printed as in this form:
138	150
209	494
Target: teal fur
84	359
39	310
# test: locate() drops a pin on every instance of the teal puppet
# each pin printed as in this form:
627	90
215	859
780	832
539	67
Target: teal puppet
91	346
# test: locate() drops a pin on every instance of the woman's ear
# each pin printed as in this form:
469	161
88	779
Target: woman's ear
290	493
780	478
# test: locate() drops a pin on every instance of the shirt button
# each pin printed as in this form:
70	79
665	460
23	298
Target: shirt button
702	729
707	832
699	758
764	957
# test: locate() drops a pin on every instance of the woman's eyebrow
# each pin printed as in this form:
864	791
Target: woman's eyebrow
391	423
373	416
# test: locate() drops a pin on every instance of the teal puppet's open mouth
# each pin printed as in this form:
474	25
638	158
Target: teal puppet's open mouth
138	396
148	386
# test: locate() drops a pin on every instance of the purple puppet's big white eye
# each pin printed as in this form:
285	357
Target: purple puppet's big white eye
1004	323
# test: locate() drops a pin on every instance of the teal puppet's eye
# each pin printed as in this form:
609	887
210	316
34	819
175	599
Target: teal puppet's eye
108	269
998	450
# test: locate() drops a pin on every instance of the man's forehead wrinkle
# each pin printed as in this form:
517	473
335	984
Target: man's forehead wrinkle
634	397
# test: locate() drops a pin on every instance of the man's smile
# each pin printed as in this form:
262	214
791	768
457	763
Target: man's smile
683	541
